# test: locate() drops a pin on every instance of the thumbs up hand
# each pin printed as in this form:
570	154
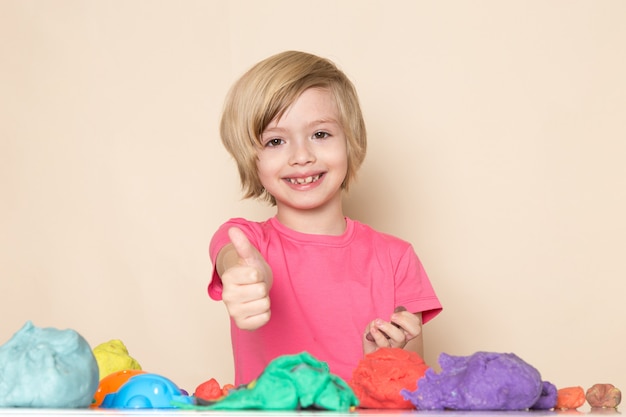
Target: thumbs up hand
246	279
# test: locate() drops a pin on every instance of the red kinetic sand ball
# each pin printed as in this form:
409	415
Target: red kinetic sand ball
381	375
211	391
570	398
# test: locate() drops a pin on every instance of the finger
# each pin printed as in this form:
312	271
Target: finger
245	250
397	314
243	284
248	313
370	338
398	341
369	330
381	331
410	323
253	322
250	308
388	334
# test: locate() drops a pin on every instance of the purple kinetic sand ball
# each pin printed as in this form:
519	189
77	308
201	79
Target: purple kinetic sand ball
482	381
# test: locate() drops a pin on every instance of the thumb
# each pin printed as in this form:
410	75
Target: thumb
249	255
242	245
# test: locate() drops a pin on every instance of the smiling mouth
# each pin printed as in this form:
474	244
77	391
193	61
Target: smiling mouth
303	181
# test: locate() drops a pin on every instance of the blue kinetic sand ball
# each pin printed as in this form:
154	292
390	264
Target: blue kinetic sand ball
47	368
146	391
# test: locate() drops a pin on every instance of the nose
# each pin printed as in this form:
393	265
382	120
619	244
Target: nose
302	153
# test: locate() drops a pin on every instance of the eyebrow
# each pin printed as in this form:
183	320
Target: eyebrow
324	121
310	124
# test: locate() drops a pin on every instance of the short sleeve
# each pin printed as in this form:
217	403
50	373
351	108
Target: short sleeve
413	287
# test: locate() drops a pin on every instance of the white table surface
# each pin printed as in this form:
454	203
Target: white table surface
583	411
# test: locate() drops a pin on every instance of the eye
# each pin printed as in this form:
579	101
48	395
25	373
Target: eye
274	142
321	135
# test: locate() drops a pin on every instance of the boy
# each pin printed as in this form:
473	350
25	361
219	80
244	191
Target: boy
294	126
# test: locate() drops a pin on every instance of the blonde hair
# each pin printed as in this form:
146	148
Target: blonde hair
266	91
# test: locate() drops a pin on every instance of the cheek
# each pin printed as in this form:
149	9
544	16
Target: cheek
263	165
339	159
265	171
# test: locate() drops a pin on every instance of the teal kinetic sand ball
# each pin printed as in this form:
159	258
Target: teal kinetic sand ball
47	368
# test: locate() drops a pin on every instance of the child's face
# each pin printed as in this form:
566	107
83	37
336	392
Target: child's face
304	157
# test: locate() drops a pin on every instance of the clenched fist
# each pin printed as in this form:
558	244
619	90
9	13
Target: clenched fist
246	279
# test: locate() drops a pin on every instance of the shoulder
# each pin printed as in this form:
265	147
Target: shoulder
247	226
255	231
364	231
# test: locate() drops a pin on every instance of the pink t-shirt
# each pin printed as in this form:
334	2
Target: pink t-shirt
326	290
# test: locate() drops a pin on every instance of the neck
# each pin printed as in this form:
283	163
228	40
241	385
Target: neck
321	221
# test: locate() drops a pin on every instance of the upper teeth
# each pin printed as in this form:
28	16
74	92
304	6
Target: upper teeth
306	180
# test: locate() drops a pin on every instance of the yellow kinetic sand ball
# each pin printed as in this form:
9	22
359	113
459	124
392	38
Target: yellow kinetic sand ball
113	356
